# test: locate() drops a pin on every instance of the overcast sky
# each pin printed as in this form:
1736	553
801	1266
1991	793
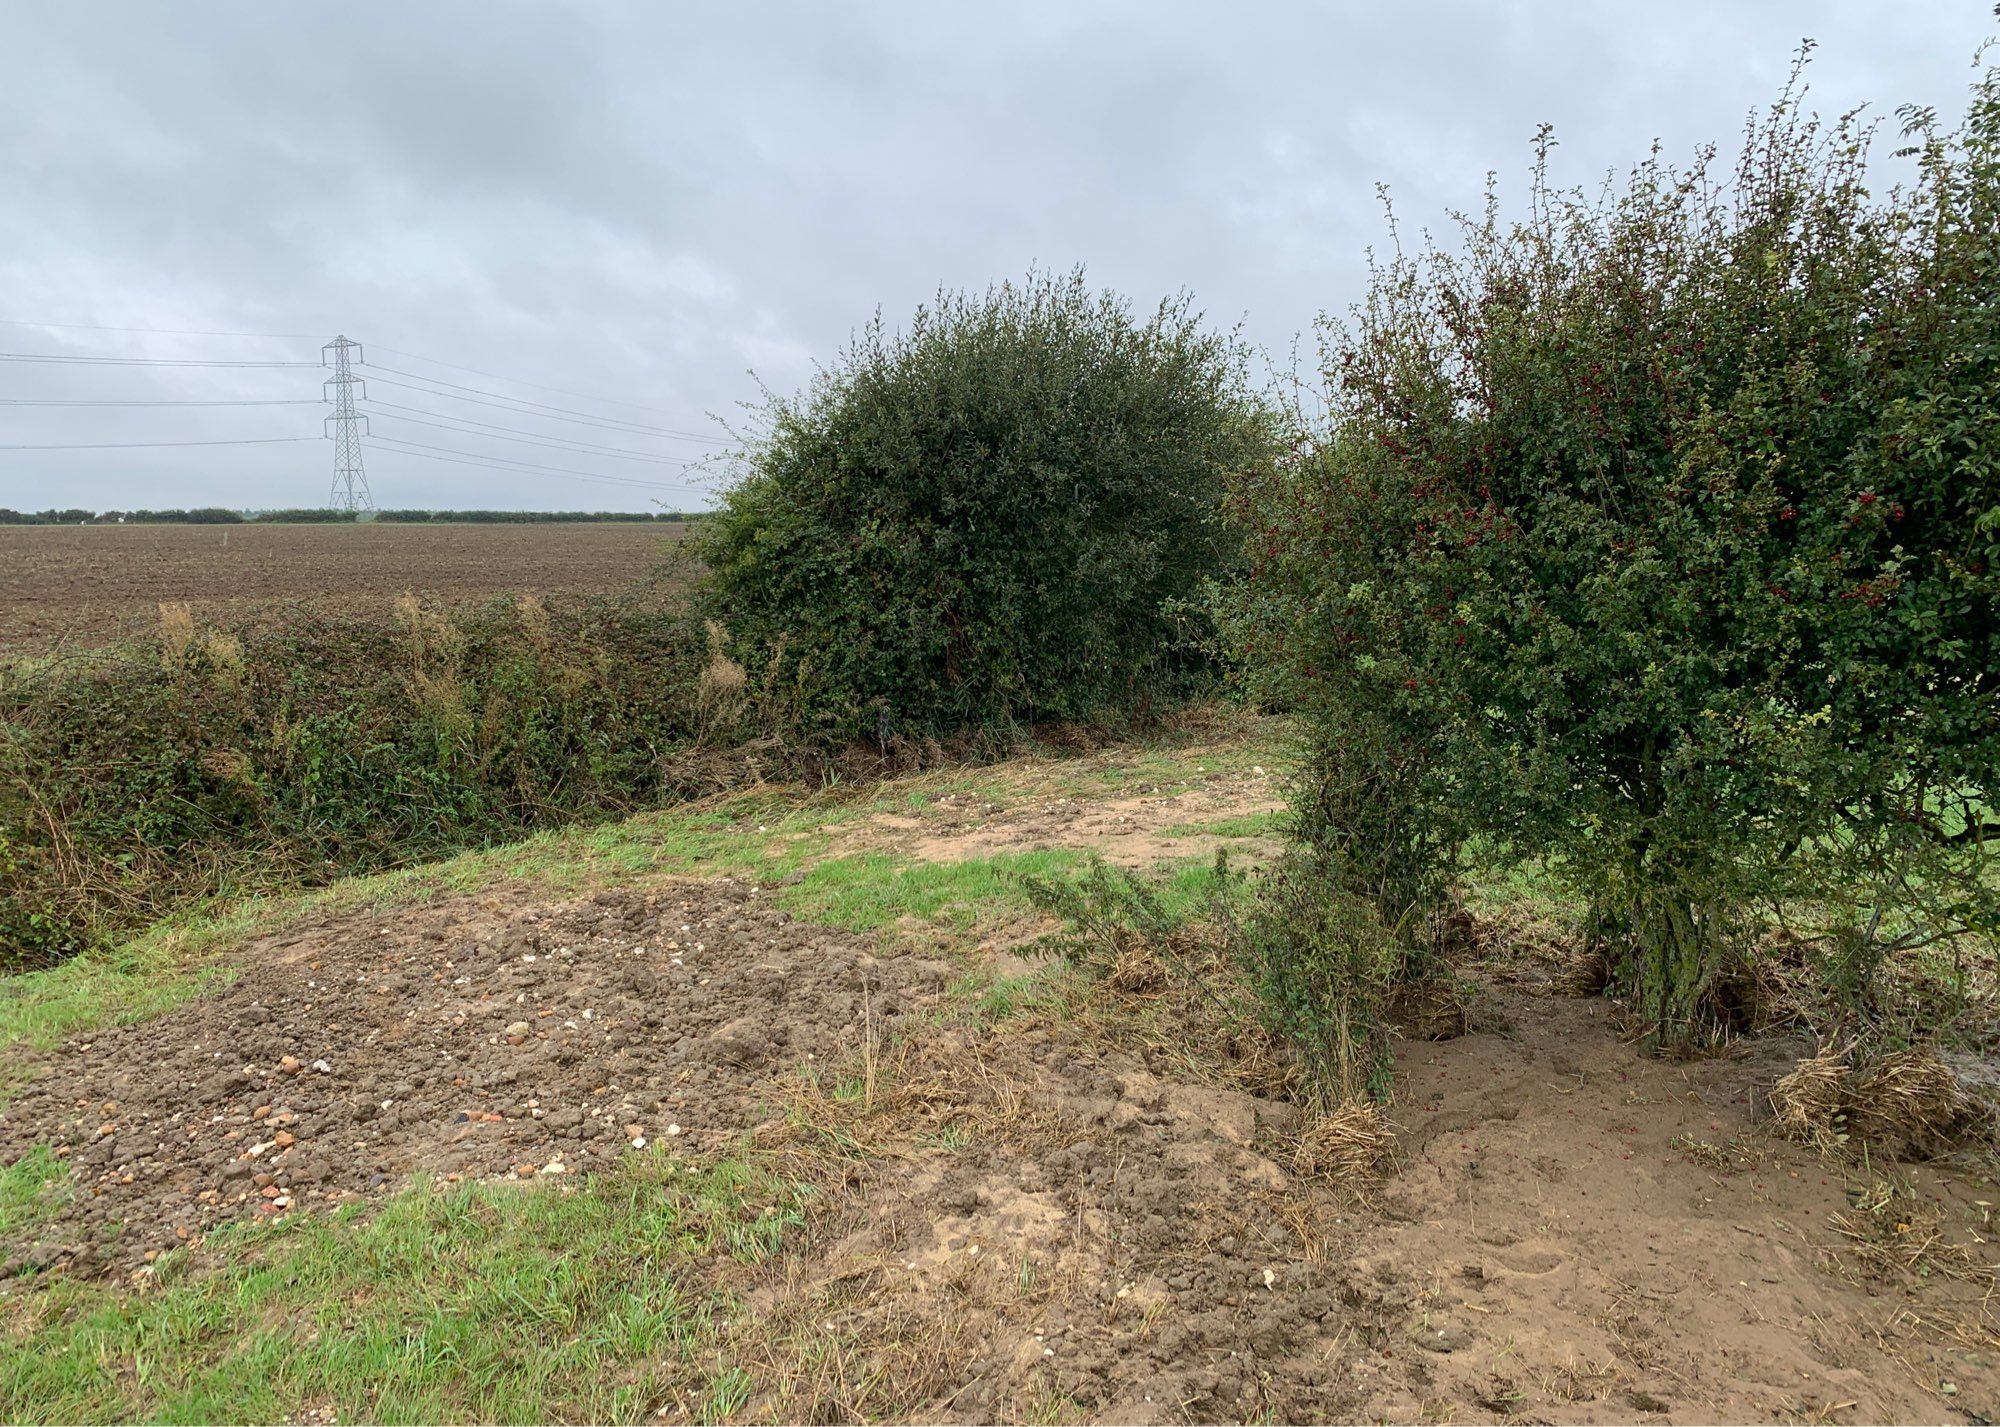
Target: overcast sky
644	203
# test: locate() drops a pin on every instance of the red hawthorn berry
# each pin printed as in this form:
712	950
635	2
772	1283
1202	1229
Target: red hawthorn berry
1896	513
1868	497
1409	683
1788	512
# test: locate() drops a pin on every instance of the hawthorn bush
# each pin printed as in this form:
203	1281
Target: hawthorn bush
1655	536
1003	514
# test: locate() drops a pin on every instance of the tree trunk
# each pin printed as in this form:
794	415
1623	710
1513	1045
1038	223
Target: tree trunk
1674	945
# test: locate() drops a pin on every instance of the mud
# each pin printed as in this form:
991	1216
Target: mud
1575	1233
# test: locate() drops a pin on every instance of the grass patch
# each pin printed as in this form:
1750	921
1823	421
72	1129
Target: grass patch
483	1303
1265	824
995	997
872	891
32	1190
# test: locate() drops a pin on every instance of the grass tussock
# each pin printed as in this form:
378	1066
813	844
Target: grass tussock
1290	1000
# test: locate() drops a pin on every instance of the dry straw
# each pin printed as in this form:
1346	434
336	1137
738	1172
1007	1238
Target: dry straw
1810	1102
720	693
1347	1145
1908	1101
1914	1097
176	632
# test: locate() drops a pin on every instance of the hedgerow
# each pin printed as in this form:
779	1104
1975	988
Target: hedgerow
1655	536
136	779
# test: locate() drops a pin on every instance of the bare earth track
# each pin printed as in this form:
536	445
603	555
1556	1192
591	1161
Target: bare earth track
85	585
1048	1215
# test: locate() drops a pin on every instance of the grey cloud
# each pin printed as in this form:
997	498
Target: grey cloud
641	201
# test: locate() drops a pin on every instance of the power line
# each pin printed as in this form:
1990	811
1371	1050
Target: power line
376	442
316	336
267	401
160	331
140	361
526	439
516	403
150	445
506	462
495	463
517	381
573	420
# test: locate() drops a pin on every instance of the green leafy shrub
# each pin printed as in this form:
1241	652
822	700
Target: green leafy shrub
1112	913
1323	968
136	779
1656	536
1000	515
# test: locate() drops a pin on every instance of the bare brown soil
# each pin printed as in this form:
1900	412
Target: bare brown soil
1068	1213
1573	1233
1137	829
479	1039
85	585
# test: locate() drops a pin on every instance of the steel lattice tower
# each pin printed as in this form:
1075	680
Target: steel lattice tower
347	426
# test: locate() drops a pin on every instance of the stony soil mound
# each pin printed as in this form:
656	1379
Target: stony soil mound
454	1040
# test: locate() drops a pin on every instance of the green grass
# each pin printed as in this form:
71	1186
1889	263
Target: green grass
504	1302
1494	878
492	1303
994	997
1174	769
873	891
32	1190
1188	889
1265	824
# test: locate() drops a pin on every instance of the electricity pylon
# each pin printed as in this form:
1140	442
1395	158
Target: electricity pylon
350	481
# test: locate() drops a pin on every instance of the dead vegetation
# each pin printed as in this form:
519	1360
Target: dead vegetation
1345	1146
1906	1103
1895	1229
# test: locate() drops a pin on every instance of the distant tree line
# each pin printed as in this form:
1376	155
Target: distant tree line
527	517
215	515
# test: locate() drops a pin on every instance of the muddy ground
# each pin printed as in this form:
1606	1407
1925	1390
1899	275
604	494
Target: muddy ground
1060	1213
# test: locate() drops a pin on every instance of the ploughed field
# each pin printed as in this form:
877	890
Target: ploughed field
83	585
